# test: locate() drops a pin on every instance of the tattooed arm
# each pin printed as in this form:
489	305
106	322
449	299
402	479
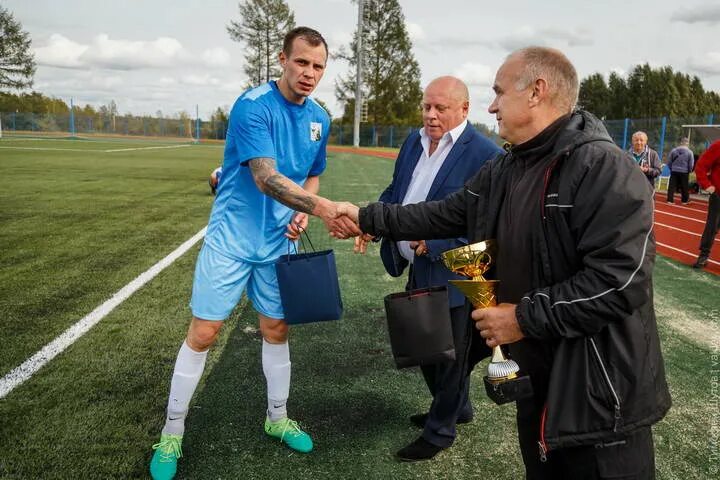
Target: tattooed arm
299	221
285	191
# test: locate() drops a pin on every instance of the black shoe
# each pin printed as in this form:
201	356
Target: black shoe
701	261
419	419
418	450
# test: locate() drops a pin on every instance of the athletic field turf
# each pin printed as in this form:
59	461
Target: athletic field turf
79	220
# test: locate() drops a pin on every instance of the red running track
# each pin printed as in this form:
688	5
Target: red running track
678	228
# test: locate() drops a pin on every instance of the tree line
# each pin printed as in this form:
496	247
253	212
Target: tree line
35	111
647	93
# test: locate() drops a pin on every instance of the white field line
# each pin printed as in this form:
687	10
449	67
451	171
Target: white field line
65	141
52	149
693	255
26	370
11	138
145	148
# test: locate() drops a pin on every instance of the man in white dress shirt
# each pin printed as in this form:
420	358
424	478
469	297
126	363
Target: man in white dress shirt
431	164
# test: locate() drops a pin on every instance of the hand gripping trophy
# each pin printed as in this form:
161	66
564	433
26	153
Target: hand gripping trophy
502	382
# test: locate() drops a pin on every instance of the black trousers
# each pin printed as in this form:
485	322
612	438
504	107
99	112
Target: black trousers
628	458
449	384
711	225
678	179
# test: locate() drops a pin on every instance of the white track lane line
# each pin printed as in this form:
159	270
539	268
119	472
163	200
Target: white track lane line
682	207
693	255
681	230
679	216
26	370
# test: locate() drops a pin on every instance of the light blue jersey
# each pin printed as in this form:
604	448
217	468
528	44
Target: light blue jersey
245	224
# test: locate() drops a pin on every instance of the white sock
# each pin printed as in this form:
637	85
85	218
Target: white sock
189	367
276	366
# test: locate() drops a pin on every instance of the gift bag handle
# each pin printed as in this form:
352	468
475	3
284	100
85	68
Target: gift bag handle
413	279
302	242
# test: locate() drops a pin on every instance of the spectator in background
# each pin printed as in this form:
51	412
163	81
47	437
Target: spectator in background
680	162
214	179
645	157
708	176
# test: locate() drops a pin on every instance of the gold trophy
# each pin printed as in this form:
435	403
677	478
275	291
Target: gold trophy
502	382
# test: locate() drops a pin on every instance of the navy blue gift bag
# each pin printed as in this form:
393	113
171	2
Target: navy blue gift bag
309	288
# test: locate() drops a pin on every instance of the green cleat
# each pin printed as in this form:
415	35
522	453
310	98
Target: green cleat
289	432
164	462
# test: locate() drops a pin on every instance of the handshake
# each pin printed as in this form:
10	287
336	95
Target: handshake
342	221
340	218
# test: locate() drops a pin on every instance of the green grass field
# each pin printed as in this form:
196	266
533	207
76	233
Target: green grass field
77	223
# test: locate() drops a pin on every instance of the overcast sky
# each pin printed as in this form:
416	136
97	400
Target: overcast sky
171	55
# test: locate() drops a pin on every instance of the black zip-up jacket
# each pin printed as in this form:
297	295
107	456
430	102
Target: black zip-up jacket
592	297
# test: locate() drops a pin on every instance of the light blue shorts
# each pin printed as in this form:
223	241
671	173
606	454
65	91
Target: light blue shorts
220	281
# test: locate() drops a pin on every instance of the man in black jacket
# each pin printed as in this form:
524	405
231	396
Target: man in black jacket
573	220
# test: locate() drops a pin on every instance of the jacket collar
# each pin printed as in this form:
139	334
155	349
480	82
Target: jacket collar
451	160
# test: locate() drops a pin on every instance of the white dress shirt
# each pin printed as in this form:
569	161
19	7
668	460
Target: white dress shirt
424	174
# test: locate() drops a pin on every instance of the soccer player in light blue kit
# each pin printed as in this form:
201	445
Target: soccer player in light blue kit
274	153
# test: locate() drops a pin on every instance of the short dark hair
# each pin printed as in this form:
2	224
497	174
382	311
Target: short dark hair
311	36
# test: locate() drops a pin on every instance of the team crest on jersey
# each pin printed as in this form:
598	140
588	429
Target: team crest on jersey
315	131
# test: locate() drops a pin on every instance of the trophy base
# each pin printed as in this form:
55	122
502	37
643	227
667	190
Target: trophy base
508	390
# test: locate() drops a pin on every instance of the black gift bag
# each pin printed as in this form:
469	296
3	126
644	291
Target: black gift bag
309	288
419	327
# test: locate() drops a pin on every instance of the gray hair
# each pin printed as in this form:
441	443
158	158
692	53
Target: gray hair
640	133
555	68
684	141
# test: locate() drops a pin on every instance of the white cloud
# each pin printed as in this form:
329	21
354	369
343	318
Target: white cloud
475	74
203	80
440	45
80	82
104	52
160	95
60	52
235	87
105	82
339	41
415	31
522	36
698	14
708	63
619	71
339	38
525	36
216	57
133	54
